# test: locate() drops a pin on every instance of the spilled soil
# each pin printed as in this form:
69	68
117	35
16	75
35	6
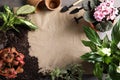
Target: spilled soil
19	40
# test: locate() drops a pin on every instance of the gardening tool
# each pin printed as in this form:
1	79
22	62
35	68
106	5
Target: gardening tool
77	19
65	8
76	10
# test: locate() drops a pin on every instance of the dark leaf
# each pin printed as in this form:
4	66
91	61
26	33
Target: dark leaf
88	16
112	70
92	57
98	71
106	42
90	44
90	4
113	47
96	2
86	6
104	26
93	4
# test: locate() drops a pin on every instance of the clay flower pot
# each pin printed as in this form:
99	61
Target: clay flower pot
34	2
52	4
92	26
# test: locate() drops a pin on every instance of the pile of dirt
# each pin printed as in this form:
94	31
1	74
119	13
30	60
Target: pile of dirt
19	40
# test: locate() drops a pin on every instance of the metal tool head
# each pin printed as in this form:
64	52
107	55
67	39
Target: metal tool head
74	11
76	20
64	9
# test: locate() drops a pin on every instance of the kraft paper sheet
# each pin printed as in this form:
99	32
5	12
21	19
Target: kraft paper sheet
57	41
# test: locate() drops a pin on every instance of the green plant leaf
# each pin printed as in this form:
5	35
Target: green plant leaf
92	57
92	35
113	46
90	44
3	17
113	74
112	68
116	33
104	26
93	4
7	9
26	9
107	60
86	6
98	70
88	16
106	42
55	73
29	24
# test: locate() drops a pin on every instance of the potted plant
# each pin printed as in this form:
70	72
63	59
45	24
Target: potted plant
104	54
71	72
11	62
100	14
11	20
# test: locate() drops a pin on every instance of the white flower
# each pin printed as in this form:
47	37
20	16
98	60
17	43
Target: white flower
118	69
104	51
118	45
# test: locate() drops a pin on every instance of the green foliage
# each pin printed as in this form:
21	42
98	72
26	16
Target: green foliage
26	9
116	33
89	44
56	73
90	4
10	19
71	72
92	35
105	42
98	70
104	54
92	57
88	16
104	26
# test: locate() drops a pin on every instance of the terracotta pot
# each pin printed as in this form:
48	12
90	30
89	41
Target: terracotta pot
34	2
52	4
92	26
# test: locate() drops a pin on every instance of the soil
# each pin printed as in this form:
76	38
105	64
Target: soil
20	42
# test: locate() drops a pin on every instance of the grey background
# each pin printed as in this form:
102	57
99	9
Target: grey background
17	3
68	2
20	2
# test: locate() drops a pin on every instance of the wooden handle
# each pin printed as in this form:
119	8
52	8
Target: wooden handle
77	2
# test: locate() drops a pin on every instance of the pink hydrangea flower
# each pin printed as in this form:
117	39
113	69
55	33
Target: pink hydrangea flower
105	10
98	16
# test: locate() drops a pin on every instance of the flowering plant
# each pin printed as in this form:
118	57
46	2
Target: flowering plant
101	15
105	53
11	62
